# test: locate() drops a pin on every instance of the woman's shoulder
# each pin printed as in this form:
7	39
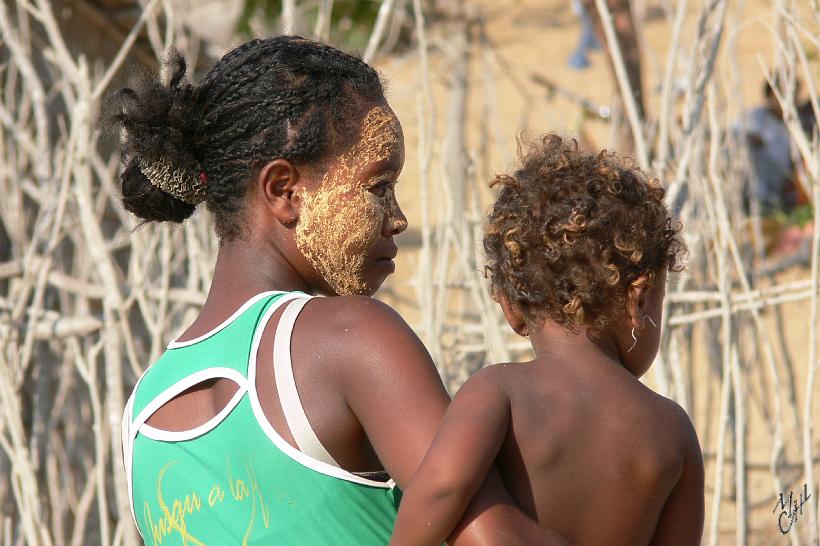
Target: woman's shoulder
353	329
354	316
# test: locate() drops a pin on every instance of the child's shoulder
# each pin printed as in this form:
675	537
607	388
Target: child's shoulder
497	377
664	411
673	419
490	379
638	404
524	386
493	381
669	427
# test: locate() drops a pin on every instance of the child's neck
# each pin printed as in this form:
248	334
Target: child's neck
553	340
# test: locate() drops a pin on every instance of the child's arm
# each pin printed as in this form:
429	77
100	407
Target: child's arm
681	520
462	451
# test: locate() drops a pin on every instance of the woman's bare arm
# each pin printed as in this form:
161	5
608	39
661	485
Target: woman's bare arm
391	386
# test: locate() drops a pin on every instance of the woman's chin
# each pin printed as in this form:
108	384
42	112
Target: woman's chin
377	277
366	288
371	282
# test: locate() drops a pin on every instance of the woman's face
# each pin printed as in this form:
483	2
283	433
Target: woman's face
347	222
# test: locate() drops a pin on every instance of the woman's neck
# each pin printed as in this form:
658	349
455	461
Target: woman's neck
243	269
247	267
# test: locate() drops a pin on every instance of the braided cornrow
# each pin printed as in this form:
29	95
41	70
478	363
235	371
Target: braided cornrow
284	97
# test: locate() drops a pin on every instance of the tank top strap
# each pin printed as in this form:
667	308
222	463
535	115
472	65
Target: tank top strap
292	407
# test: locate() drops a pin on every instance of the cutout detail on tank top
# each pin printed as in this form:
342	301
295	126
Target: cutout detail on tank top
210	423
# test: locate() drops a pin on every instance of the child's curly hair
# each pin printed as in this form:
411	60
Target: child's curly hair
570	231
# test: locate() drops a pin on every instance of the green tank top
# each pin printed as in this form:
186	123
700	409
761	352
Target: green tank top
234	480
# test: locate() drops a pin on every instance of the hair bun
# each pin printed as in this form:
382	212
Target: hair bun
147	201
161	180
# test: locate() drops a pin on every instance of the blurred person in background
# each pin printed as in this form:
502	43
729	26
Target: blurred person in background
776	172
769	146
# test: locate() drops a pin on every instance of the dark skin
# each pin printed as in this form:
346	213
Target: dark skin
582	445
369	388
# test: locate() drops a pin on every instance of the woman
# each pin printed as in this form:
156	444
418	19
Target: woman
254	427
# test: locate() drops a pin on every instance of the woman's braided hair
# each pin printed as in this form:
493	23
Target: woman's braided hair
285	97
571	230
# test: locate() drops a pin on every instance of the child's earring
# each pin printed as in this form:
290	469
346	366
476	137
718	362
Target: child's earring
635	339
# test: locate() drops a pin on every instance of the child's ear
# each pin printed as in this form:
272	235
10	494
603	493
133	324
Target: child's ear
513	314
636	301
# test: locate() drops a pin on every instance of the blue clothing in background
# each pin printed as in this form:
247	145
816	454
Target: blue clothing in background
587	42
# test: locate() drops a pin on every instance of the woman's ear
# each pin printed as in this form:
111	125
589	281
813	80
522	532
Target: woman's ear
513	314
279	183
636	301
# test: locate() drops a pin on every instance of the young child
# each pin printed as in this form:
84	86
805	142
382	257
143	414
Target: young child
578	247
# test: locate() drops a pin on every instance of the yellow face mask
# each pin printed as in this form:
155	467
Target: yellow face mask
353	206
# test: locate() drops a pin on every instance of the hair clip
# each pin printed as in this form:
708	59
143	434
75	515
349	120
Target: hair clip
175	180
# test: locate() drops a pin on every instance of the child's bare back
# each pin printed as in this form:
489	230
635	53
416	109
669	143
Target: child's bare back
592	453
578	248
